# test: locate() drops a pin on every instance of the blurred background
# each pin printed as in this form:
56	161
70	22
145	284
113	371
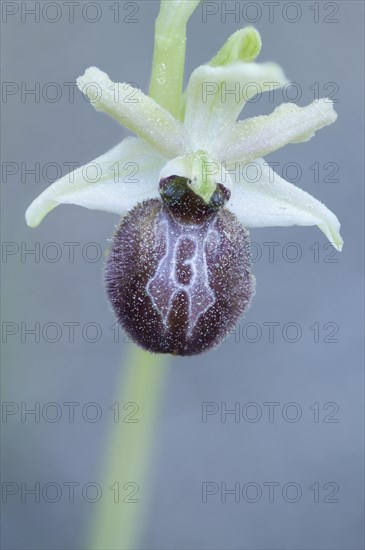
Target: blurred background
291	372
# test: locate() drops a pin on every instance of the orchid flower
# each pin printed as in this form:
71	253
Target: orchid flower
178	273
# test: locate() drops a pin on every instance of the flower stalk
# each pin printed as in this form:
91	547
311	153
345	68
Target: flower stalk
120	513
169	53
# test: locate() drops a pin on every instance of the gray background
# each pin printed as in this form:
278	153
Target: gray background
188	451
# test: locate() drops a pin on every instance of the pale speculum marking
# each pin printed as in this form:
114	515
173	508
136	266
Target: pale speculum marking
183	268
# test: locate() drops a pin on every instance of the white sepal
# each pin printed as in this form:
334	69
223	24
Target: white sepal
114	182
263	199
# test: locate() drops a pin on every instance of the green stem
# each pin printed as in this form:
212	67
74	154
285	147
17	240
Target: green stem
118	522
169	53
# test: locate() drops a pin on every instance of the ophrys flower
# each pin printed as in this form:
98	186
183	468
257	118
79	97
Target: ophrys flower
178	274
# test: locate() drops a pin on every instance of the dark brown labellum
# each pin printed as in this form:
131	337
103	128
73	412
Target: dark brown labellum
178	273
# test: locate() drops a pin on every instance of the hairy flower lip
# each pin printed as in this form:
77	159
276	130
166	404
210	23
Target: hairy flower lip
178	288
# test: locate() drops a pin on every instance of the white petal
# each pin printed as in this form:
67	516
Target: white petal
258	136
114	182
216	95
263	199
136	111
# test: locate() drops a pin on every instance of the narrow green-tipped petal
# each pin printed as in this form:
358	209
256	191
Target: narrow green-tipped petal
267	200
169	53
114	182
203	171
216	95
244	45
136	111
258	136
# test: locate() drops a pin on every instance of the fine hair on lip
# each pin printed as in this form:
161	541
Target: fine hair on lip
178	287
